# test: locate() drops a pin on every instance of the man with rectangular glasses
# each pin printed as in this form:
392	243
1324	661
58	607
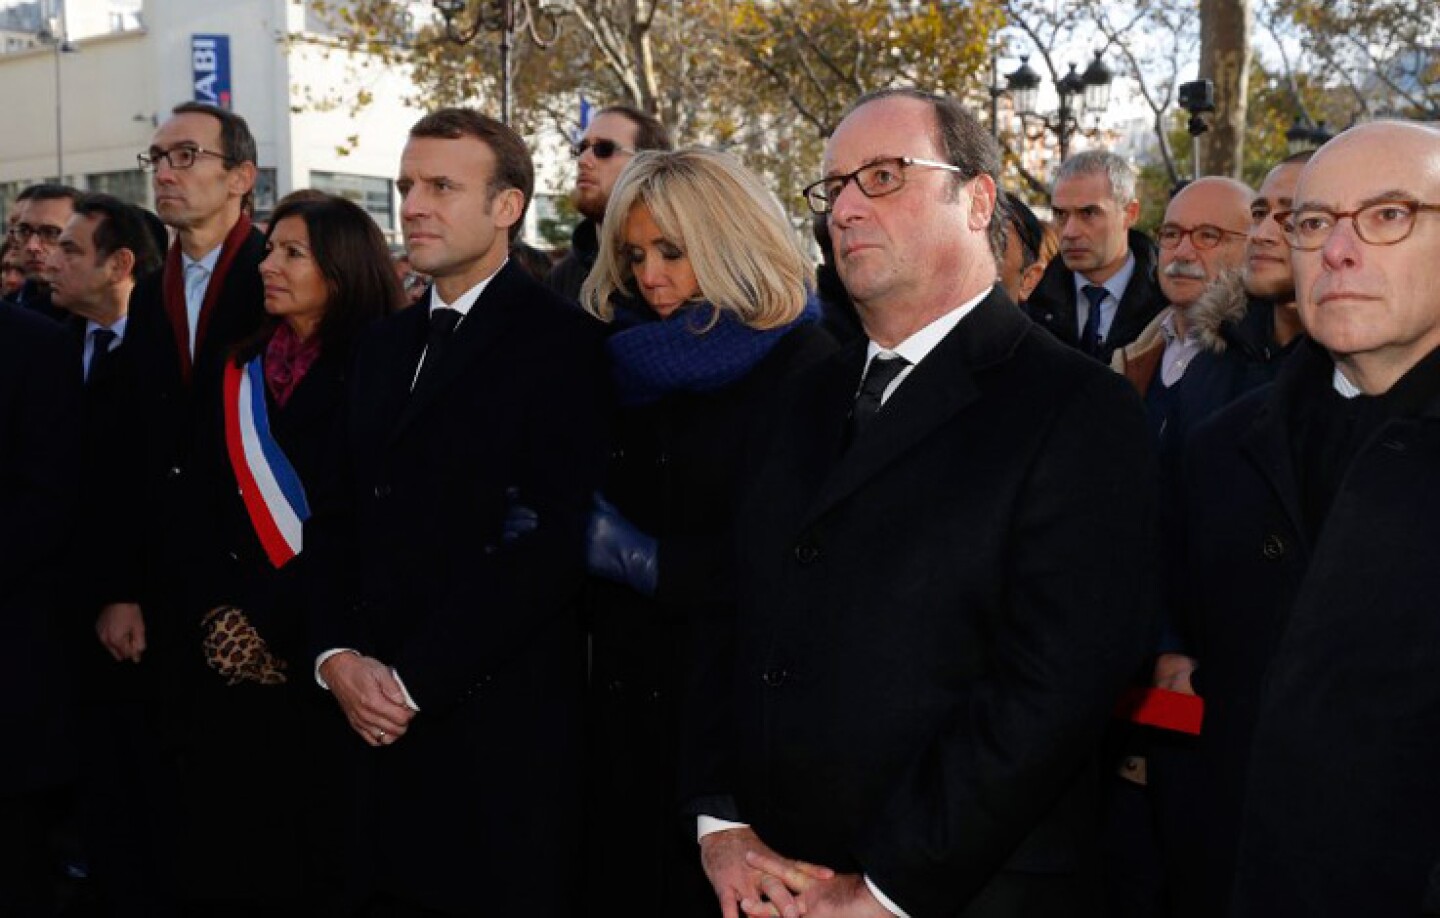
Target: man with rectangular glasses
1313	519
40	214
944	577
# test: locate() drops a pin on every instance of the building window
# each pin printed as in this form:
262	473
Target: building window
373	194
264	195
129	186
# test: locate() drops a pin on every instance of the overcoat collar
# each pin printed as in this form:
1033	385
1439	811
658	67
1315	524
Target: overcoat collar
940	387
478	332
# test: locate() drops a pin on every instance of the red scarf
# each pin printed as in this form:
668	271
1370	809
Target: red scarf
175	292
287	360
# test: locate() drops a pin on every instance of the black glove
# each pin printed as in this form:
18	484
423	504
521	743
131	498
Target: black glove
616	550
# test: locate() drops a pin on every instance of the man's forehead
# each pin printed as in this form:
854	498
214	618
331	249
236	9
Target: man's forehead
432	157
1085	190
884	128
53	212
187	127
613	126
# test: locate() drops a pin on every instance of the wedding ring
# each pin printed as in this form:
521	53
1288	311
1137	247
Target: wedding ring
379	734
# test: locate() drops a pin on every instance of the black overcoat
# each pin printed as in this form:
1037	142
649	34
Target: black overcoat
1318	661
477	808
934	623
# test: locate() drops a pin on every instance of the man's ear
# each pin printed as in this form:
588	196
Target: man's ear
1132	213
983	198
119	265
240	178
506	207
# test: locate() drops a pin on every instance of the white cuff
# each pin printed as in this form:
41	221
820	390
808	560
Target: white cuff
885	900
409	702
708	825
320	660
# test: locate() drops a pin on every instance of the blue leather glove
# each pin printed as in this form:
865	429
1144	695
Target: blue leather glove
616	550
519	519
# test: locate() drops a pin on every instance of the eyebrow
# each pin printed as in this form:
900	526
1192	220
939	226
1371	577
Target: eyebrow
833	173
1394	194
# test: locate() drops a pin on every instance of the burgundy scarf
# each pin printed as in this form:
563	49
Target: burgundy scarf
287	360
175	292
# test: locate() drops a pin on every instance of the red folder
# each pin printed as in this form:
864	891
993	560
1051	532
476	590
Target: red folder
1157	707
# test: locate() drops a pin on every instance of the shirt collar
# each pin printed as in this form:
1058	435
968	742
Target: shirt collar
917	346
206	261
1117	283
466	300
118	327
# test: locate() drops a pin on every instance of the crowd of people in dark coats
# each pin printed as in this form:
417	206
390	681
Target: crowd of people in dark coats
993	568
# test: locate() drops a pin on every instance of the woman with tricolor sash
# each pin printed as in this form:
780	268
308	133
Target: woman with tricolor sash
254	787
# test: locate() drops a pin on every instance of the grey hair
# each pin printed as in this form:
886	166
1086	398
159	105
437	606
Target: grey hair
1120	173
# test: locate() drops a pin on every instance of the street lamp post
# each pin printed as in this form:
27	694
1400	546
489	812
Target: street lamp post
55	37
1081	95
541	22
1301	136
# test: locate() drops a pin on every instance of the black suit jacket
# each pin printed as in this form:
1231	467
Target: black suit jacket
1317	661
477	806
39	471
149	532
1052	304
934	623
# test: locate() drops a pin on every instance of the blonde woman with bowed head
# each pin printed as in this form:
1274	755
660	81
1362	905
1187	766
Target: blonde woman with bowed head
708	295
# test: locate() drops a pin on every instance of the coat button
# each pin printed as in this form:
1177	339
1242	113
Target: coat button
174	472
775	677
382	491
807	552
1274	547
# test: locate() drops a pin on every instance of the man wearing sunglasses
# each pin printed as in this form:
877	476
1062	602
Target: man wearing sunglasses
40	215
1313	516
613	136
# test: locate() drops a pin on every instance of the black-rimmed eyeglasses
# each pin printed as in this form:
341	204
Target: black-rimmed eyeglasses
603	149
875	180
21	233
1381	223
178	157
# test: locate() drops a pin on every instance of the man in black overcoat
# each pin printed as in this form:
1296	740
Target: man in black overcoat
183	320
945	579
39	475
457	656
1103	259
1313	517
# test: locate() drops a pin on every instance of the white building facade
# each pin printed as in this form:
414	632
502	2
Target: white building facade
83	100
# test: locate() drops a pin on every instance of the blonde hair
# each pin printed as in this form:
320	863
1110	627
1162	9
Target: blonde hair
746	257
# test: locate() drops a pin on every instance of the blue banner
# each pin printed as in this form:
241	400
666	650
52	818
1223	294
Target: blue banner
210	69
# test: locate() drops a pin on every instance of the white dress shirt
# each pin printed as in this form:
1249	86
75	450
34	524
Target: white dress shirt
91	326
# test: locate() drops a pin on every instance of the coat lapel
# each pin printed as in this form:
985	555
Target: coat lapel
934	392
477	333
1267	442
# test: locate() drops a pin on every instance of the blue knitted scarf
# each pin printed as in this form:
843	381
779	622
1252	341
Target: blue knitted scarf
651	358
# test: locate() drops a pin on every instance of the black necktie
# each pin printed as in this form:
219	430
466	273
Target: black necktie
879	375
1090	340
100	341
442	325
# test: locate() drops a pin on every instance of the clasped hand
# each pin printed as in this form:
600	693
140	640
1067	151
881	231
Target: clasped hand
749	877
368	694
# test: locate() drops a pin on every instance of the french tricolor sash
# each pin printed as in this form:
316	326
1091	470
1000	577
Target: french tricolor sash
274	497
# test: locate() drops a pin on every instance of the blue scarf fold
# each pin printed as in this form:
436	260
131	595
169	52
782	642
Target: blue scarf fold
651	358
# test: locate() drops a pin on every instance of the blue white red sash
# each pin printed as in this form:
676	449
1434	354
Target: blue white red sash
274	497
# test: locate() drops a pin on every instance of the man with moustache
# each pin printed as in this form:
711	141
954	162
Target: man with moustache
934	620
1100	293
1202	237
616	133
1313	511
454	653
